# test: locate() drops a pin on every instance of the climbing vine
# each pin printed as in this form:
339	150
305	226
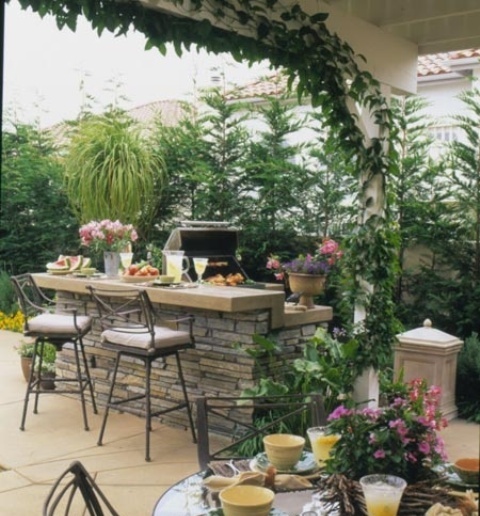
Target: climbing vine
318	65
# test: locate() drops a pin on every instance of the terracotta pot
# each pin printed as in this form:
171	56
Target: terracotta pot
26	363
307	285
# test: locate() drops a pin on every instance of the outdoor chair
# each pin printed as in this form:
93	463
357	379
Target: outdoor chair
75	492
129	328
57	323
274	414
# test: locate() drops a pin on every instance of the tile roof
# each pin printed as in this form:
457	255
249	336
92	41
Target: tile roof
428	66
438	64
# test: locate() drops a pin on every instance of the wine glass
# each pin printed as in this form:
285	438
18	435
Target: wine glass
200	265
126	260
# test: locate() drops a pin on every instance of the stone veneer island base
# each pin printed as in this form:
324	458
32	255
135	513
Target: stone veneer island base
226	318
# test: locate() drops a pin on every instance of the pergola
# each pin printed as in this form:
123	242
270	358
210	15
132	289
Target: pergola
390	34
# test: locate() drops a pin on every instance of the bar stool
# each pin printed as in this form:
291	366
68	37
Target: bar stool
44	322
129	328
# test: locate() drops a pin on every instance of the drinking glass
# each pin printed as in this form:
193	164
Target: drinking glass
321	443
382	494
126	260
200	265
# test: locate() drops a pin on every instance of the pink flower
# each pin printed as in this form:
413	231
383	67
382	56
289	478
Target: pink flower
273	263
328	247
279	276
379	454
339	412
424	448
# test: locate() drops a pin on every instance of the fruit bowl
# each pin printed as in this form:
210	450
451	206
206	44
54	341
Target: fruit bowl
467	469
138	279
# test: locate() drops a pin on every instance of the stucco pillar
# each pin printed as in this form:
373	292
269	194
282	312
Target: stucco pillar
430	354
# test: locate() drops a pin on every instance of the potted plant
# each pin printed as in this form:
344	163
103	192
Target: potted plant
111	237
25	350
48	366
307	274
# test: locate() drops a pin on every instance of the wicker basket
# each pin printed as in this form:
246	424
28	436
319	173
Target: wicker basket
345	497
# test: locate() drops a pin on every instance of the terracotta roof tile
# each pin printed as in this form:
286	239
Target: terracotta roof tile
437	64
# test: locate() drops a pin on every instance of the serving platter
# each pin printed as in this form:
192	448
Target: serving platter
138	279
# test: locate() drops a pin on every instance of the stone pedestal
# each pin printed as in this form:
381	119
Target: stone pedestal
430	354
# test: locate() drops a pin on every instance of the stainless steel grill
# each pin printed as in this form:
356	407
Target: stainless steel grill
217	241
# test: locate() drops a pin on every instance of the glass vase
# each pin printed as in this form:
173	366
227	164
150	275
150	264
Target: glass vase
111	262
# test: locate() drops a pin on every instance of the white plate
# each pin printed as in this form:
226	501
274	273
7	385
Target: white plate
138	279
59	272
306	465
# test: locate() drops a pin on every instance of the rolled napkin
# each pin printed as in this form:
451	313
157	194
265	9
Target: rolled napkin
291	482
217	482
440	510
253	478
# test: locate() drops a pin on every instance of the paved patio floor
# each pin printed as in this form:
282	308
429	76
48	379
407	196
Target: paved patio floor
54	437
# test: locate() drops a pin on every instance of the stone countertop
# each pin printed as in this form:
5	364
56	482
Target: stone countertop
207	297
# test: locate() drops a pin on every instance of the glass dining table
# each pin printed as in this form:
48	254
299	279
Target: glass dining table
190	497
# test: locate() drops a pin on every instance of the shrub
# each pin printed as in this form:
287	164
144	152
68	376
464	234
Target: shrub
13	322
468	379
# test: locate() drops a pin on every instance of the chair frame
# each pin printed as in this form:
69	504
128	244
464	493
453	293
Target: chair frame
81	481
33	301
134	312
312	403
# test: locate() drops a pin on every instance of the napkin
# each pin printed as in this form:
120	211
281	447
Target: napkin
290	482
440	510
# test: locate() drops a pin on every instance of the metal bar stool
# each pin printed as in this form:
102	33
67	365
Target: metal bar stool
45	322
129	329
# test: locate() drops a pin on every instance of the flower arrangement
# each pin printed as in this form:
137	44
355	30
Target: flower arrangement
320	263
107	235
399	439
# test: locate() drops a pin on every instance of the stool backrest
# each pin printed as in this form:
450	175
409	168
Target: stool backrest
30	297
124	310
75	482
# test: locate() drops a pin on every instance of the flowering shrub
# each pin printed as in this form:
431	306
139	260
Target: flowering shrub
12	322
399	439
319	263
107	235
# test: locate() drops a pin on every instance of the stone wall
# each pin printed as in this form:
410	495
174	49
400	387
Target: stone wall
217	366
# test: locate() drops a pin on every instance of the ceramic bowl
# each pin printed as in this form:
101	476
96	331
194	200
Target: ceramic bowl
283	450
246	501
467	470
164	278
88	271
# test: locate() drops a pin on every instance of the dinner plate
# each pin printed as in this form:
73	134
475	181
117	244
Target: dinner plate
273	512
453	479
307	464
58	272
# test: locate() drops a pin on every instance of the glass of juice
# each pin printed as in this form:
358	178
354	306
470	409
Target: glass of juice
382	494
321	442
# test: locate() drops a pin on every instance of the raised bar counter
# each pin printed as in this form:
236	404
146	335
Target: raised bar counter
226	318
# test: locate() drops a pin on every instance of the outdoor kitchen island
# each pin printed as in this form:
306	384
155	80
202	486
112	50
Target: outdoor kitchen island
226	318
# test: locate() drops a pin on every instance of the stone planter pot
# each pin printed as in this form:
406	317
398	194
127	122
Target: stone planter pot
47	383
307	285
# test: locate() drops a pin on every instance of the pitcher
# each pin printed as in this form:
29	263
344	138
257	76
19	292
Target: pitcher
174	261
